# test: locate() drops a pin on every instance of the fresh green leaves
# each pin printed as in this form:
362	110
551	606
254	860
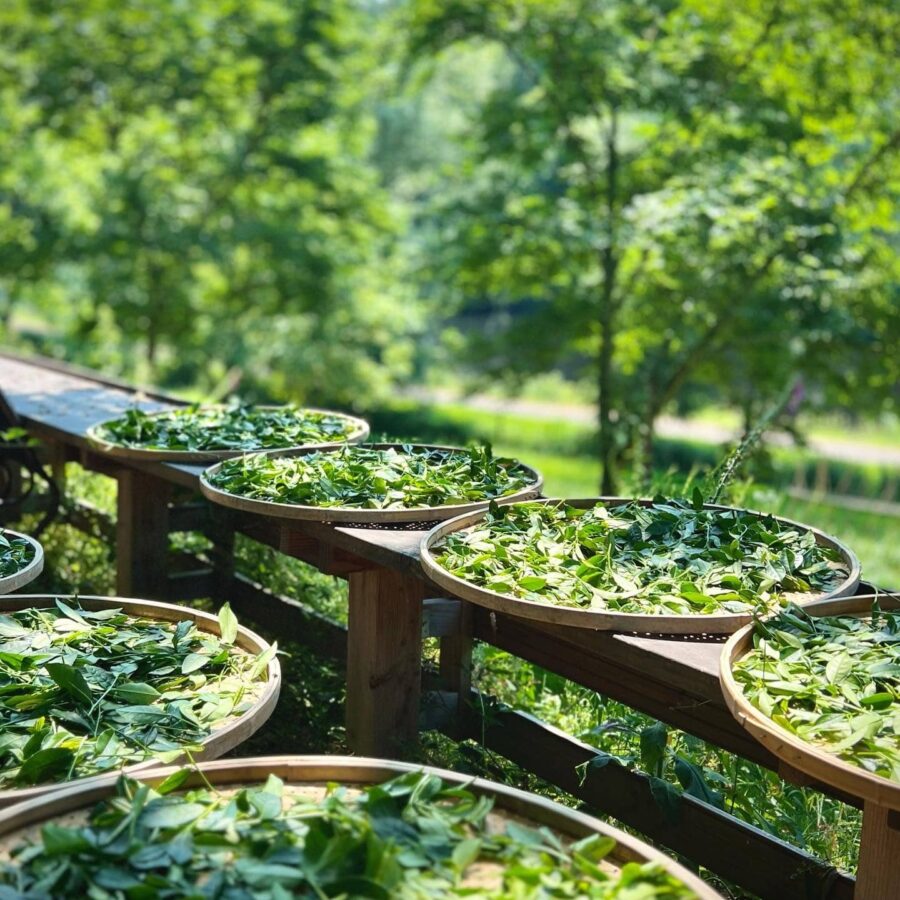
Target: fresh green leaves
362	477
833	681
670	557
211	428
84	692
412	837
15	554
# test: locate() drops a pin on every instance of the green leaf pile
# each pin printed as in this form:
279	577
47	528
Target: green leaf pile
833	681
667	558
83	692
15	554
411	838
210	428
361	477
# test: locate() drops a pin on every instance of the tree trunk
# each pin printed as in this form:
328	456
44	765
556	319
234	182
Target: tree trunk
607	319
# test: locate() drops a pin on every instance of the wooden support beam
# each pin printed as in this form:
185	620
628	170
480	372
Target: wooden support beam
879	856
285	618
191	584
384	656
142	535
440	617
456	667
189	516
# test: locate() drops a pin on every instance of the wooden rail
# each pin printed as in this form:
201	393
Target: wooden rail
391	605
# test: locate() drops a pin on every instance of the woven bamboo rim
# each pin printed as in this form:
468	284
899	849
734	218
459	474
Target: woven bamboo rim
799	754
348	770
605	620
229	735
188	457
30	572
353	515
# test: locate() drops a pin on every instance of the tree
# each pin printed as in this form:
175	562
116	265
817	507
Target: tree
215	153
657	193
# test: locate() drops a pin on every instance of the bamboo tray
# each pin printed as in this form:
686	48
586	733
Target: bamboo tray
310	774
30	572
800	754
878	877
190	457
601	620
229	735
353	515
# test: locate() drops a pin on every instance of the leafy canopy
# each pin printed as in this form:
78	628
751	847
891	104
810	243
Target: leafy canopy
413	837
663	195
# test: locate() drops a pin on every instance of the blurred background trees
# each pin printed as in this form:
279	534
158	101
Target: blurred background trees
663	202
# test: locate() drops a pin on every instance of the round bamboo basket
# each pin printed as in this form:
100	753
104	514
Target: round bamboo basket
30	572
353	515
608	620
310	774
797	753
228	735
360	431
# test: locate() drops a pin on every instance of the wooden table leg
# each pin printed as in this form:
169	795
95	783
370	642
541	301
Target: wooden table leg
878	876
142	535
456	666
384	661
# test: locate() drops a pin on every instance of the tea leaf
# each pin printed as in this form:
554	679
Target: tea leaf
214	428
659	559
414	836
87	692
360	477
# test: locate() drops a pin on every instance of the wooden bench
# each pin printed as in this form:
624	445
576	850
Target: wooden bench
391	607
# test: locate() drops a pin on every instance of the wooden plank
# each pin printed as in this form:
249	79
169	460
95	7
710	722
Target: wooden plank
287	618
384	657
632	672
142	535
456	667
879	856
762	864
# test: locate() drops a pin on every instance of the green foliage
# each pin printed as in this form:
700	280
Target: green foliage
679	186
15	554
88	692
413	836
832	681
225	428
668	558
361	477
185	193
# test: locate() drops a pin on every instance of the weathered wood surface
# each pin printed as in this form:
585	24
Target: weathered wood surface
384	661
